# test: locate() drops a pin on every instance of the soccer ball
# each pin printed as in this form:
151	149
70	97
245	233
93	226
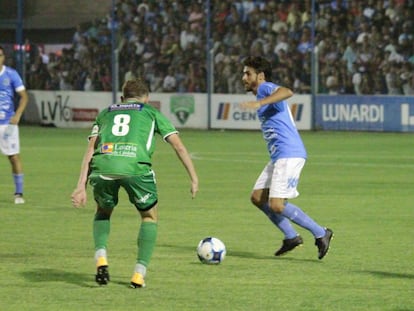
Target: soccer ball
211	251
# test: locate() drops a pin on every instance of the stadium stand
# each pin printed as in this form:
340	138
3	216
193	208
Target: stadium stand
363	47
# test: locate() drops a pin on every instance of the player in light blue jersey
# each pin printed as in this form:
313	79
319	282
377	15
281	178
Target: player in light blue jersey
279	179
11	83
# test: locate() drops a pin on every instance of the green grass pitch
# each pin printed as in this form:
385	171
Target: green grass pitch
359	184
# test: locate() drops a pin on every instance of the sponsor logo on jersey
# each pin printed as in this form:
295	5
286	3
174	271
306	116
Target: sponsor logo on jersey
6	82
107	148
126	106
120	149
144	199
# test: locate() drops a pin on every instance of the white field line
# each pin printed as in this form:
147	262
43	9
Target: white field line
331	160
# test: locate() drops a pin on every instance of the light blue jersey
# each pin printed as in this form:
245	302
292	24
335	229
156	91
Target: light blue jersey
10	82
279	129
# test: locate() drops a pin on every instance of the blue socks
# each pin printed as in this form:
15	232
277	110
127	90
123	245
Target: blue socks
18	182
280	221
296	215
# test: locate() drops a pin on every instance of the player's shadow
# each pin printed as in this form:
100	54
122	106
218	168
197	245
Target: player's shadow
251	255
55	275
182	247
241	254
391	275
75	278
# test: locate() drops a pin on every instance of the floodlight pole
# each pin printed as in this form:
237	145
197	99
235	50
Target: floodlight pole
313	68
209	66
19	40
114	58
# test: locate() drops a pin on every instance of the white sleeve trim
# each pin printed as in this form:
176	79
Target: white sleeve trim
165	137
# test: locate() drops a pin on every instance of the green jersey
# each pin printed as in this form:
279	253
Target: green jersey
126	138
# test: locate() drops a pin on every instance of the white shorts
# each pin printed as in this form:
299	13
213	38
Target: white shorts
281	178
9	139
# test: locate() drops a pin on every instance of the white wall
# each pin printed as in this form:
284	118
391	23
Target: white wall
75	109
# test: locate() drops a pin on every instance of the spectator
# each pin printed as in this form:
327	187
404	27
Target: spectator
364	53
64	81
169	83
278	25
405	39
357	80
38	75
282	43
81	48
158	34
305	44
293	16
105	78
379	85
53	83
181	78
132	72
350	55
77	35
92	31
233	19
248	7
369	10
219	18
196	17
282	12
407	79
363	32
187	36
332	83
366	87
392	79
155	80
88	85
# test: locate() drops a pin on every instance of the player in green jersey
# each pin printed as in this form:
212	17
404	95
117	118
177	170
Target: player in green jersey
119	155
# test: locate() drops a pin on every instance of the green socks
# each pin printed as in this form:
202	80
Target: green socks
147	237
101	230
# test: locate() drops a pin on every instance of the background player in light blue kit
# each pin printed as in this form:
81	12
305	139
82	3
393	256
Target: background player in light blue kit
279	179
11	83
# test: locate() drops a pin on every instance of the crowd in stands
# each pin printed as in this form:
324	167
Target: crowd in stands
361	46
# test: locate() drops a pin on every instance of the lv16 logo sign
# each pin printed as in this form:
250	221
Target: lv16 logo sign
57	110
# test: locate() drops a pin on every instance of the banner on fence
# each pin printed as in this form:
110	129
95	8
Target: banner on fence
365	113
76	109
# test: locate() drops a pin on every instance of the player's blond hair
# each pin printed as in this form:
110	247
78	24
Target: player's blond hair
135	88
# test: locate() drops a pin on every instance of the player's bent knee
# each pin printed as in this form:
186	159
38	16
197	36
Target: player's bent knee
277	205
255	201
259	198
103	214
150	215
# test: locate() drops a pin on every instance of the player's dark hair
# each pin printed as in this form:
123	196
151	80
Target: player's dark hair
259	64
135	88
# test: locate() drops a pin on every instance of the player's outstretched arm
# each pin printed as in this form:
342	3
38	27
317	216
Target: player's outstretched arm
175	141
280	94
79	196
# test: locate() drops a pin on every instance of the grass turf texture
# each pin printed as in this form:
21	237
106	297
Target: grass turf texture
359	184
